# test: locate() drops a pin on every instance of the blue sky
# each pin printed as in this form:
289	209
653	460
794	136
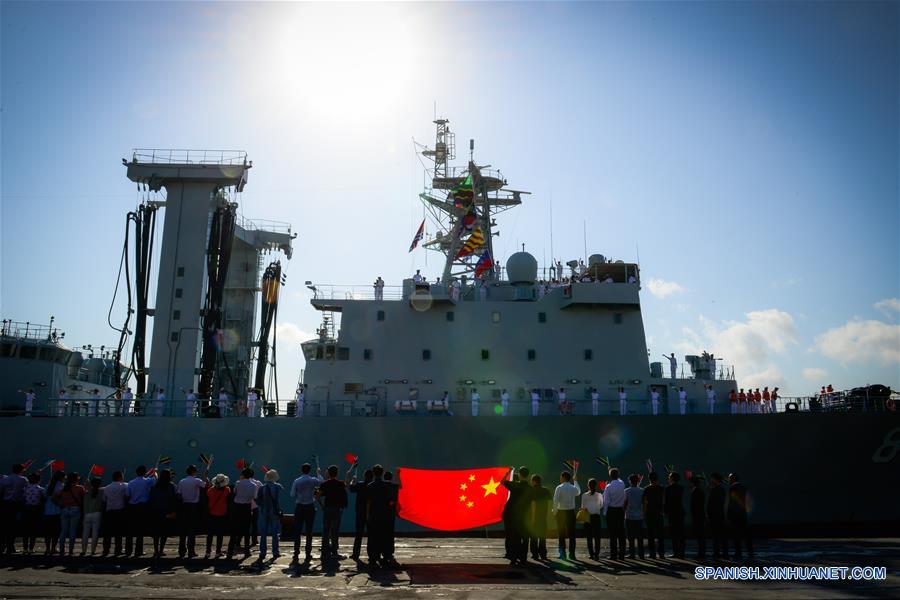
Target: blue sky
747	151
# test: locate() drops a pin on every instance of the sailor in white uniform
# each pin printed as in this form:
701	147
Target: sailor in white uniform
301	401
190	403
475	399
673	364
654	400
251	402
595	402
160	404
223	402
504	402
127	399
682	401
454	290
623	402
29	401
417	278
379	288
535	402
562	404
61	402
482	291
711	399
94	402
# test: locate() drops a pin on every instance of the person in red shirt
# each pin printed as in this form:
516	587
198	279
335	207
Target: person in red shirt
217	493
767	406
733	398
757	399
742	400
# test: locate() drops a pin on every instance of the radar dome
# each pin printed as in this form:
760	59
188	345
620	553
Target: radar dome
596	259
521	268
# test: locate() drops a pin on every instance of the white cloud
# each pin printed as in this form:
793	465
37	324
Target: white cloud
889	306
662	289
814	374
749	345
291	334
861	341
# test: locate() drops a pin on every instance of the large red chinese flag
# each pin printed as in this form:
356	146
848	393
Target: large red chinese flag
452	500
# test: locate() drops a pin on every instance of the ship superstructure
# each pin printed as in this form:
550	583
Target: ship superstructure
483	328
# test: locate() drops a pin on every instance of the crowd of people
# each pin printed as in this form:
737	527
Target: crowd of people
632	514
115	517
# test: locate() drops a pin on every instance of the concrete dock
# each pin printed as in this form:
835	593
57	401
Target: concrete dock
448	568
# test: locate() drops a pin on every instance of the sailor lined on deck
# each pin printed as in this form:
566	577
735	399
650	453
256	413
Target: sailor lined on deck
223	402
654	400
595	402
379	288
733	400
418	278
682	401
301	401
190	402
475	398
535	402
673	364
711	399
562	405
504	402
127	400
623	402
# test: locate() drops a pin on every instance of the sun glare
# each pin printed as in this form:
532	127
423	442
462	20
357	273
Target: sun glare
339	62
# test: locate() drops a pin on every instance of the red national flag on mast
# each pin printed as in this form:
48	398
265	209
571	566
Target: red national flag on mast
452	500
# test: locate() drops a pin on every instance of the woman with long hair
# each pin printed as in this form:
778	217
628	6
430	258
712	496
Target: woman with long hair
592	501
52	512
164	510
93	514
69	498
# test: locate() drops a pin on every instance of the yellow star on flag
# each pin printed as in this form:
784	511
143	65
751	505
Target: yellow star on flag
463	486
470	504
462	498
491	487
471	478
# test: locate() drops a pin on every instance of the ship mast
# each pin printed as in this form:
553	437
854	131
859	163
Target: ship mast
489	197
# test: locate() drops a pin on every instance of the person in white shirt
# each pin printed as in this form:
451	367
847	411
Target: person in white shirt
417	278
475	398
595	402
623	402
561	404
223	402
190	513
592	501
654	400
251	402
711	399
535	402
379	288
301	401
61	402
190	403
614	509
634	515
127	399
29	401
482	290
504	402
564	509
160	404
682	400
94	402
454	290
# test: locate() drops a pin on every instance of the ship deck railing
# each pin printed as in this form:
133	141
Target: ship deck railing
184	156
838	402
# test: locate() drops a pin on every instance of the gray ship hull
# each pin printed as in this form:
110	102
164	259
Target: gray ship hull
805	470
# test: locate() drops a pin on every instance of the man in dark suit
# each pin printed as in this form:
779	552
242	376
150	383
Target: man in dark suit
674	508
737	516
715	509
514	516
698	516
653	516
360	488
378	515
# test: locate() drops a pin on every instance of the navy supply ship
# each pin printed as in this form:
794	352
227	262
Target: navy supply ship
393	371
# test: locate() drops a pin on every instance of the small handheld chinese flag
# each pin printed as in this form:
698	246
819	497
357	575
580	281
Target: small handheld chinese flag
688	474
241	464
452	500
351	458
601	485
97	470
58	465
